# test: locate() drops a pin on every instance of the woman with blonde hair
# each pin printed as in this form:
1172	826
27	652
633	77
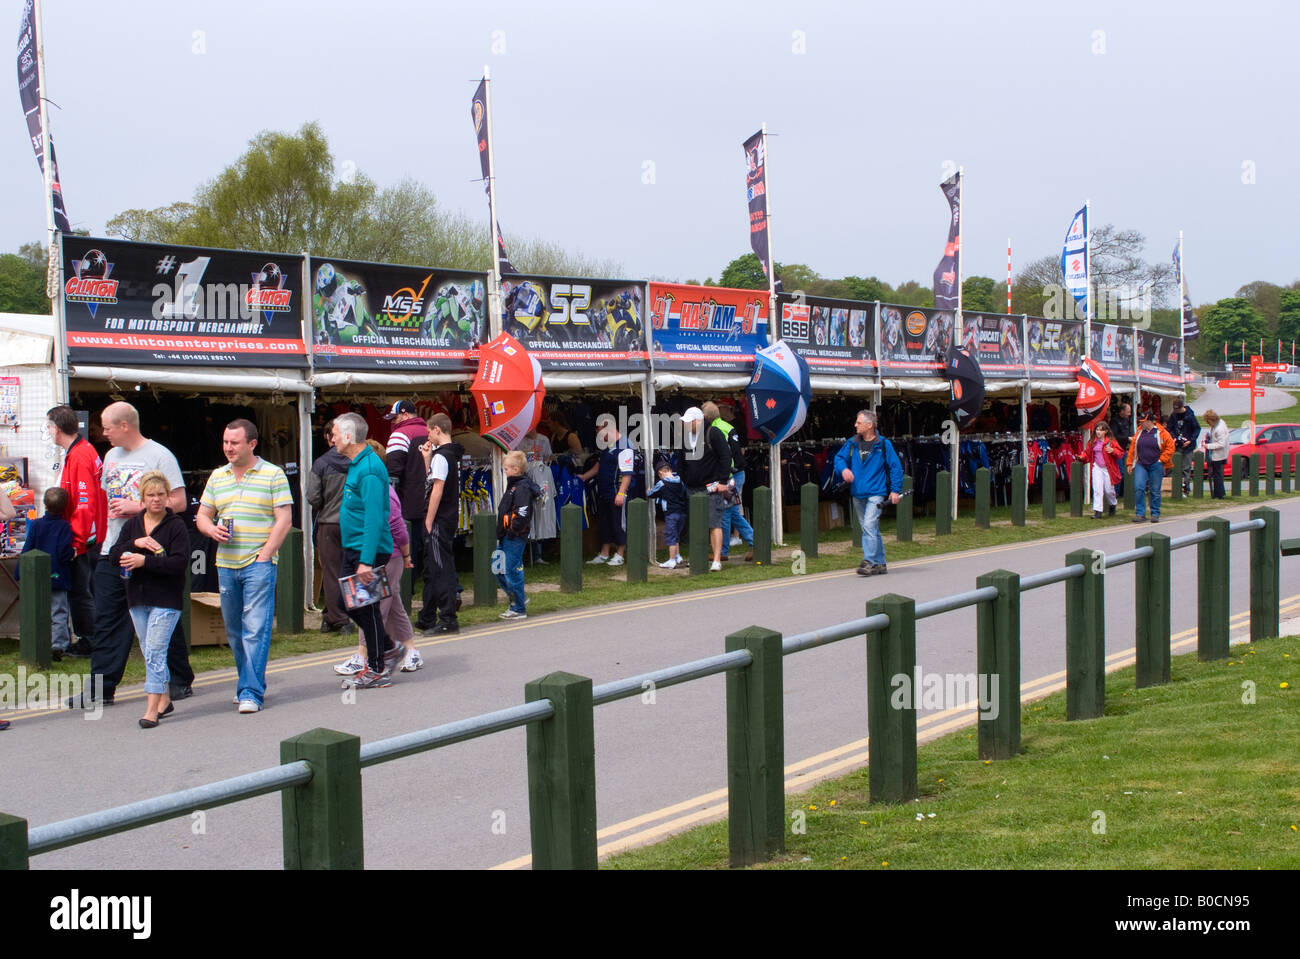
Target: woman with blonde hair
1216	452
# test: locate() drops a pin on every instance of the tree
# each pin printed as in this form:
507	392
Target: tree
867	289
744	273
150	226
1288	318
1265	297
978	295
1125	286
22	281
912	293
1230	321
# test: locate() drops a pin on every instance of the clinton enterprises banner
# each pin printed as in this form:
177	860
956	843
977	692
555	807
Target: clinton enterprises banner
153	304
706	327
576	324
832	336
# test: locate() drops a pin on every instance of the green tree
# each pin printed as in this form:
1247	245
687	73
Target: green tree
978	295
912	293
22	281
1288	318
869	288
744	273
1266	298
1230	321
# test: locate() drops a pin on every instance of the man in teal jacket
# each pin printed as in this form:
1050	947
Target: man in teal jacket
367	545
870	463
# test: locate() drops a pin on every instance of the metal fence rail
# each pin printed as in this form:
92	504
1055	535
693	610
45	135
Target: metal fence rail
320	776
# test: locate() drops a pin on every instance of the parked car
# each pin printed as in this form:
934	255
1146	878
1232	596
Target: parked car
1275	438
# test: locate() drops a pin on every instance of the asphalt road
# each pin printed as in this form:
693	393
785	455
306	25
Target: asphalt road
660	766
1237	402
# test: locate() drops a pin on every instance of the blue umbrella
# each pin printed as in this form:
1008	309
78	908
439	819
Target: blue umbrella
779	393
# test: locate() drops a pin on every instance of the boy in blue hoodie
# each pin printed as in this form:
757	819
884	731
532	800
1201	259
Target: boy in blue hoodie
870	463
52	534
671	493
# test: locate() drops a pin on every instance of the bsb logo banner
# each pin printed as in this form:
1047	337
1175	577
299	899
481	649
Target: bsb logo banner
367	316
995	339
832	336
913	341
183	306
1054	347
577	324
706	327
1158	358
1112	349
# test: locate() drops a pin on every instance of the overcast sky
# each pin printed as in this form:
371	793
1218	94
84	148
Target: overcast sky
618	125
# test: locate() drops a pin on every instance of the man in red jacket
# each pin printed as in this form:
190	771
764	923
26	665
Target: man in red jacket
88	514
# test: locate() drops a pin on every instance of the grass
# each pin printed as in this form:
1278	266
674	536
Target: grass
1181	776
838	550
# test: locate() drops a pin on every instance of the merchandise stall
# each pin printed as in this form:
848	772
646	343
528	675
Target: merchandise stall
1053	351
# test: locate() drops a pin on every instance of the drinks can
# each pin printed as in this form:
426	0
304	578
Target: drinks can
125	571
229	523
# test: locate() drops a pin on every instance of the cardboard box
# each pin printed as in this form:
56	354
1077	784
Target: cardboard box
791	518
830	516
207	628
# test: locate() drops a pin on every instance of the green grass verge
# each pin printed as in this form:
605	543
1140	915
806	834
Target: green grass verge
1182	776
602	585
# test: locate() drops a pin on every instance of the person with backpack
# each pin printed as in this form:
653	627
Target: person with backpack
870	463
734	515
514	520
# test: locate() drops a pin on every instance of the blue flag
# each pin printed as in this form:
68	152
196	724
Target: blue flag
1074	258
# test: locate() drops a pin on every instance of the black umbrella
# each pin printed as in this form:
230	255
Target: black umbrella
965	386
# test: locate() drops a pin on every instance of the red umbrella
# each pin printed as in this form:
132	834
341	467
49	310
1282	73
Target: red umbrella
508	391
1094	392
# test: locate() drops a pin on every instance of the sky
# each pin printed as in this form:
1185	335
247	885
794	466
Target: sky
618	125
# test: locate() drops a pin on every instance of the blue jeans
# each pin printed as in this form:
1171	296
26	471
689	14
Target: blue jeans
868	511
60	620
154	625
512	580
736	515
248	607
1146	481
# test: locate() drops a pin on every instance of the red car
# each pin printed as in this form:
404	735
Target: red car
1275	438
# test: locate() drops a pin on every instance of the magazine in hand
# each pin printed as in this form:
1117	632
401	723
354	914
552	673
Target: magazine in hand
357	594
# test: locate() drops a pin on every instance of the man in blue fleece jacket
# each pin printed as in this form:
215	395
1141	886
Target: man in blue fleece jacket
871	464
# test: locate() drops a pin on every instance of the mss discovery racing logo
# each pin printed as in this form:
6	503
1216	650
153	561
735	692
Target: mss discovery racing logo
90	284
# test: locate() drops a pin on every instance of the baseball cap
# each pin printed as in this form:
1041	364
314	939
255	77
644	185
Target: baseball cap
401	406
693	415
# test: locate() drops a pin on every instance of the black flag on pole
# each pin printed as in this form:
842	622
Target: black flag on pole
1191	322
478	111
756	192
946	274
29	92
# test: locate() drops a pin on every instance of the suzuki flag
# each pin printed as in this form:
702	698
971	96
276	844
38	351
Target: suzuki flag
29	92
1191	325
947	275
756	193
478	111
1074	257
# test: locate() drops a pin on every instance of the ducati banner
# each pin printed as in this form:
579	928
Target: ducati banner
756	192
914	342
29	93
948	273
1159	358
478	113
1054	347
1113	349
577	324
706	327
168	305
995	339
833	336
366	316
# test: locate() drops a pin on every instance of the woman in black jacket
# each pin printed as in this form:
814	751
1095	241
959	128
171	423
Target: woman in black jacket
152	551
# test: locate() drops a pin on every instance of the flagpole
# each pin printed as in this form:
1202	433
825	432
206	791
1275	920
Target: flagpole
1009	276
1182	301
494	291
774	452
1087	277
957	324
53	266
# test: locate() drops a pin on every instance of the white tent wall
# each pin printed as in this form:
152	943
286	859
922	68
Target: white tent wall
27	345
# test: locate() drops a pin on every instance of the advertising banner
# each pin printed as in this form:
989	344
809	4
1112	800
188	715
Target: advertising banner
368	316
947	275
1158	358
1074	257
576	324
756	193
29	93
1055	347
913	341
995	339
1113	348
835	337
150	304
706	327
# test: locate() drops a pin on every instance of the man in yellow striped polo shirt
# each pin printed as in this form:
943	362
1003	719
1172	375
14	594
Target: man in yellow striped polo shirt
247	508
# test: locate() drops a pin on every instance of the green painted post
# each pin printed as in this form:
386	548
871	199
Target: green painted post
808	519
1048	479
485	545
763	525
1212	589
1270	464
1019	494
998	656
289	584
1076	489
1153	595
1085	636
638	555
1254	474
697	533
1130	490
943	504
571	548
755	749
1239	467
408	589
891	652
34	608
903	514
1265	581
322	820
1286	472
1176	474
13	843
1295	471
982	504
562	774
1198	474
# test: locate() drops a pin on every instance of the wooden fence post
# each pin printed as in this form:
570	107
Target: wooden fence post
891	701
562	774
755	749
321	820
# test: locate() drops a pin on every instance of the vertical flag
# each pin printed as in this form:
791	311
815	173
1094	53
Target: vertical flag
947	275
482	128
1074	259
756	193
29	93
1191	323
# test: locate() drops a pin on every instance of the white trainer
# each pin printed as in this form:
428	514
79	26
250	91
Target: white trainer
413	661
351	667
598	560
616	560
715	567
